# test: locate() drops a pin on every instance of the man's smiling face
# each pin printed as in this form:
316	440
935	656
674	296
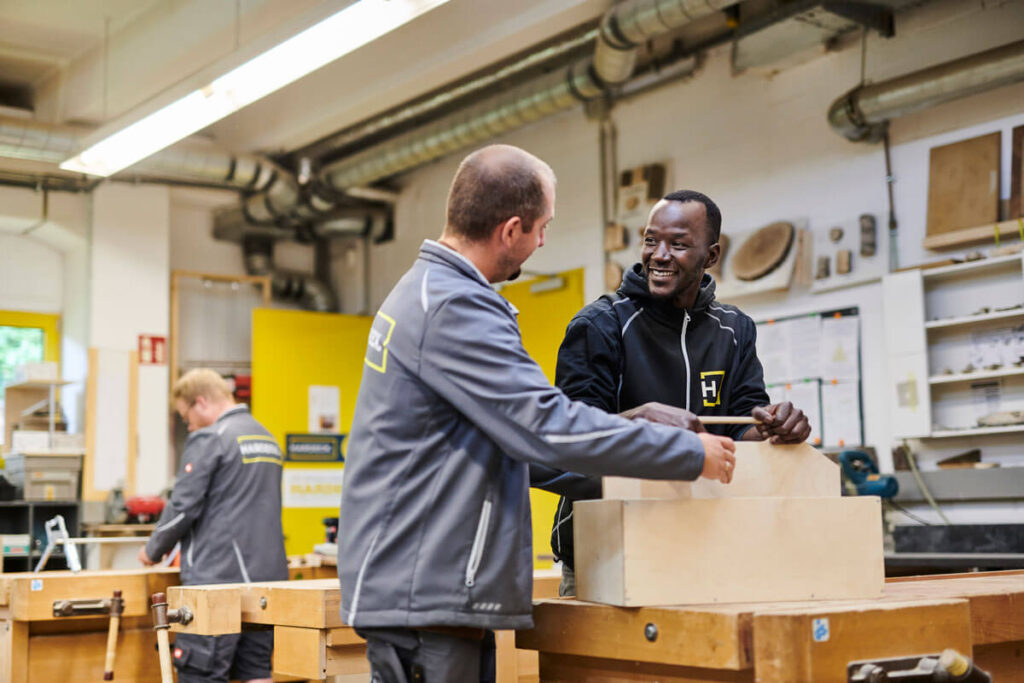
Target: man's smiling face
676	251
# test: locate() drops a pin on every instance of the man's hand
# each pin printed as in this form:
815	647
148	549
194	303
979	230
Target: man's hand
782	423
665	415
719	457
144	558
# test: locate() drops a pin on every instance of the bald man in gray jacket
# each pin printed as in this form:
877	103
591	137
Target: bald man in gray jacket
452	418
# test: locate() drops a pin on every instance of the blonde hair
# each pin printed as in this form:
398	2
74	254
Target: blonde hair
200	382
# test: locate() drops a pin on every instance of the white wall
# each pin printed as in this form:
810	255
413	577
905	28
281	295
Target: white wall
130	294
31	275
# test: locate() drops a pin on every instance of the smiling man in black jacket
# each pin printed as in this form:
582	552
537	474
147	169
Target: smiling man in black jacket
662	349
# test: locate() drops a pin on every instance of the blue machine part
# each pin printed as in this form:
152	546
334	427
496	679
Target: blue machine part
863	473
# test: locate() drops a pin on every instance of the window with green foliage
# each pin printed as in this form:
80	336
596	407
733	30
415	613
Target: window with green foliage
18	345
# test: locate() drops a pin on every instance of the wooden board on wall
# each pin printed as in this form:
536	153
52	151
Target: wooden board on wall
1017	173
963	184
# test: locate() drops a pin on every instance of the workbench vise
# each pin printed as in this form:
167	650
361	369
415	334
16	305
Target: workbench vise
862	473
948	667
114	606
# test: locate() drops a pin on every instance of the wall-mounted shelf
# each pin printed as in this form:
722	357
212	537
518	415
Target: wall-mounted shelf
976	375
1008	231
974	319
975	431
969	268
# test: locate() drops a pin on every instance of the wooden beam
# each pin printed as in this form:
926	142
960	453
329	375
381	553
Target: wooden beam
717	638
762	469
811	644
576	668
32	595
13	651
216	610
305	652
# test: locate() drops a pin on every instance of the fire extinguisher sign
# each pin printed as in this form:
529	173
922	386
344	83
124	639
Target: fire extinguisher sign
152	350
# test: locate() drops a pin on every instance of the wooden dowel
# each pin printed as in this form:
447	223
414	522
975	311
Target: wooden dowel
727	420
164	649
108	664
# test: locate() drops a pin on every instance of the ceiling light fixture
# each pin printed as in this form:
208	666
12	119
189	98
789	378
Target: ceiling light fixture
347	30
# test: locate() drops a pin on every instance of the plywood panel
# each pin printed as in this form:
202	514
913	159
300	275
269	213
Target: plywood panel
762	469
963	184
13	652
79	657
657	552
305	652
596	670
816	645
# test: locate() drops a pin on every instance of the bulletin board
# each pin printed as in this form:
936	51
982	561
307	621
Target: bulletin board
544	313
813	361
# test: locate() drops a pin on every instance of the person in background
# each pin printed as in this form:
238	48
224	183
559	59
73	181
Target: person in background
452	422
663	349
225	511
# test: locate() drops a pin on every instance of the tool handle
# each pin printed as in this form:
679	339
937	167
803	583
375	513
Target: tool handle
108	663
164	648
727	420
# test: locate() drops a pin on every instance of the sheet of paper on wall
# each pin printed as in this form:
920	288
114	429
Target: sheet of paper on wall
804	347
840	408
840	348
804	395
324	414
773	351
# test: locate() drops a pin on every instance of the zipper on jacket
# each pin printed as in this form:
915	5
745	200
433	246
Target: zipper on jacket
686	356
476	553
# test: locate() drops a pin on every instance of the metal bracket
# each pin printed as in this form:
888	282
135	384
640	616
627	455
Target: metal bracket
60	535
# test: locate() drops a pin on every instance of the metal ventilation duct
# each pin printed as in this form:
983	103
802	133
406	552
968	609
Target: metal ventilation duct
623	29
861	114
188	162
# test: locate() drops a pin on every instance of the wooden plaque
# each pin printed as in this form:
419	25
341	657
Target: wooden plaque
963	184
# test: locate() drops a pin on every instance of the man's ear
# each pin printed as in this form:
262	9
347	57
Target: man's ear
714	253
509	231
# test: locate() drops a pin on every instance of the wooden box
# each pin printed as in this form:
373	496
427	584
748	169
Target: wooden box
697	551
761	470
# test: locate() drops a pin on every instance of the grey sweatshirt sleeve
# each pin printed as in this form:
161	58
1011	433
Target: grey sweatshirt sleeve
472	355
198	464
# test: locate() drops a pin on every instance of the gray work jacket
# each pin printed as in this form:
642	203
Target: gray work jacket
226	505
435	512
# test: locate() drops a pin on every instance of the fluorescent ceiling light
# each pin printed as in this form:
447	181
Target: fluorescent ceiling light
307	51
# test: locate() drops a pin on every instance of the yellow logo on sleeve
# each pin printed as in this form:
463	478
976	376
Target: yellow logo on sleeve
377	344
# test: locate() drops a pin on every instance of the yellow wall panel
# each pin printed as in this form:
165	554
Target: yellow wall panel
292	350
543	318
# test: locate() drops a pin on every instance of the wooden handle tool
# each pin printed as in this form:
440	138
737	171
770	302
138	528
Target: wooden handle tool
727	420
116	610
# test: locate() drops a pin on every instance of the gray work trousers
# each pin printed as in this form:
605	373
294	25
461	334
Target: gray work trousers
399	655
567	587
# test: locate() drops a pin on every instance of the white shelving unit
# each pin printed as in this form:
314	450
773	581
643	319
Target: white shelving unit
938	341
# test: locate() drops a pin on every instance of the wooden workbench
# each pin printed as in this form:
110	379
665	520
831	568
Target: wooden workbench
310	640
37	647
980	614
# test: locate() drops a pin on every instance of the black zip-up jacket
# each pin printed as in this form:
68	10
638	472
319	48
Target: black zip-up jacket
628	349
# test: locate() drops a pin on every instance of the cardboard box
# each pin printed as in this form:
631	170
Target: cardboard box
636	553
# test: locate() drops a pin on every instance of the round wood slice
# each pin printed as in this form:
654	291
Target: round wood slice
763	251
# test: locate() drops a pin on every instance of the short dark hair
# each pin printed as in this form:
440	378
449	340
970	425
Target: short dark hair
714	216
491	186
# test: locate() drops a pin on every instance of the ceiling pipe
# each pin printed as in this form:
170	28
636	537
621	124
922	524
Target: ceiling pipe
861	114
623	29
193	162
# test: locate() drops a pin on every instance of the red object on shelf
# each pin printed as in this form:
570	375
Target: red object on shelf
243	387
143	509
